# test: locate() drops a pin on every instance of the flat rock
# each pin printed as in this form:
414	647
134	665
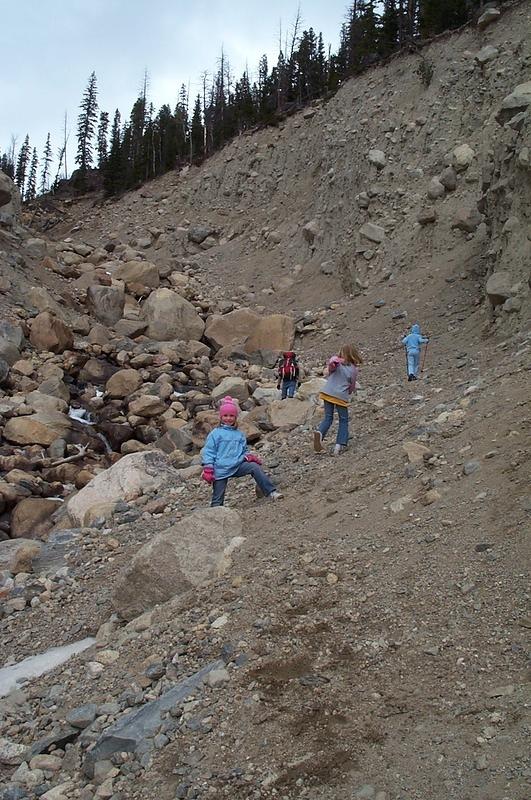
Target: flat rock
134	732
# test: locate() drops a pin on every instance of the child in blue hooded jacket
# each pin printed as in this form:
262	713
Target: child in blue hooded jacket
413	342
225	455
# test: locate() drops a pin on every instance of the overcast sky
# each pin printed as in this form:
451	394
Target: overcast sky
50	47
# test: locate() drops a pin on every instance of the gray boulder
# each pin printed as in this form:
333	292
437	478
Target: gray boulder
106	303
134	732
498	288
192	551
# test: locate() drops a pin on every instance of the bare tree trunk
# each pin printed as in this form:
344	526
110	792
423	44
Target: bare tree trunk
65	142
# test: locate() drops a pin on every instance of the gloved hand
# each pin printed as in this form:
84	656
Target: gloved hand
254	459
278	385
334	362
208	474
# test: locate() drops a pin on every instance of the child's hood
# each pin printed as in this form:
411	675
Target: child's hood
415	329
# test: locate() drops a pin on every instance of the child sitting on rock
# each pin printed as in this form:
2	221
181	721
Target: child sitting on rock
225	456
342	373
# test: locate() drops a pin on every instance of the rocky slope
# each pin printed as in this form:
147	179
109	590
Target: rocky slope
366	636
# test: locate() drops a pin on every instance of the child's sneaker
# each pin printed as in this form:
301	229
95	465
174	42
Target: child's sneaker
317	441
275	496
338	449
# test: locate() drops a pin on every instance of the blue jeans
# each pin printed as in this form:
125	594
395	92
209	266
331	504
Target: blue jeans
245	468
288	388
413	362
342	431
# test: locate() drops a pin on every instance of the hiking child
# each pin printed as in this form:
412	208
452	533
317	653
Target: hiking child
288	374
342	373
225	456
413	341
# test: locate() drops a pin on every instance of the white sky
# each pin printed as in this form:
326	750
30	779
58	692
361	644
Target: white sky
50	47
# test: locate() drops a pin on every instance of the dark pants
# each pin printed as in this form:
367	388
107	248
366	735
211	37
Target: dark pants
245	468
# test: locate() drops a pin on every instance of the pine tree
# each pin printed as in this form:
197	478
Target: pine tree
46	161
137	156
86	128
31	189
103	129
197	132
243	109
22	165
389	28
436	16
112	174
7	166
182	124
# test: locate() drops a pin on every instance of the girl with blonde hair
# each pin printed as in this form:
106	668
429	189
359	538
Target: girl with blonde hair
342	372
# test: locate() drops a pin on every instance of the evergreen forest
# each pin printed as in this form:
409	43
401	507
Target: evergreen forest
124	151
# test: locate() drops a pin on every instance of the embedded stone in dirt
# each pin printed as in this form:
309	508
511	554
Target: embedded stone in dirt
194	550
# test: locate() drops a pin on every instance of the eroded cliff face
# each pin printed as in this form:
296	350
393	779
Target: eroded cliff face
389	171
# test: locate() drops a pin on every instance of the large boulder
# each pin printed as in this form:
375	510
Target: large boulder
250	331
50	334
97	370
123	383
518	100
10	202
106	303
143	273
170	316
309	390
127	479
45	402
192	551
147	405
11	341
42	428
498	288
290	414
489	15
234	386
31	517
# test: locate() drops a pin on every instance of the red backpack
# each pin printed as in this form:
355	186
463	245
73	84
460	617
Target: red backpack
288	369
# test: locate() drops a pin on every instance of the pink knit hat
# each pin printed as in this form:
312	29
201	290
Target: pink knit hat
228	406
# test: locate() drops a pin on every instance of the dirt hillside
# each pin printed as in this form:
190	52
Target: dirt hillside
370	636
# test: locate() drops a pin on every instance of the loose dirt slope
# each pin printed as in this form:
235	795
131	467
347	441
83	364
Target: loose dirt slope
374	623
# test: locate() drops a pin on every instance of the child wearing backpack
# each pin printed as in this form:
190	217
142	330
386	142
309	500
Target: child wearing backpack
288	374
412	342
225	456
342	373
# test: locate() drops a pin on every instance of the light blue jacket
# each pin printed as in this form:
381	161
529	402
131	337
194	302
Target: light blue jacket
225	449
414	340
341	381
